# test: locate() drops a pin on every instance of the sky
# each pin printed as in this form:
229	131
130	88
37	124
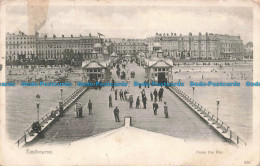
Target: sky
130	21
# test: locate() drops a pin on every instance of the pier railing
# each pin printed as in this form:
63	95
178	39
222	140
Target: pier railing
222	128
30	134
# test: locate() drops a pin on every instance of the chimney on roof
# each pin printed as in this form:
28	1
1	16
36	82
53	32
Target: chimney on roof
71	36
89	34
200	34
190	34
54	36
174	34
171	34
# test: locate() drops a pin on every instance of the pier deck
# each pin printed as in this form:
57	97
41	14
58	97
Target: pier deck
182	122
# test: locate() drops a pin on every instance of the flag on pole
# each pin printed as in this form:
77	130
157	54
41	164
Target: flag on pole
99	34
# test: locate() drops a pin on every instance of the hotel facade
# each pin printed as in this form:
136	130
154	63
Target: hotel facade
23	46
202	46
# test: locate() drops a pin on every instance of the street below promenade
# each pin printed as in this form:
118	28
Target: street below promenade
182	122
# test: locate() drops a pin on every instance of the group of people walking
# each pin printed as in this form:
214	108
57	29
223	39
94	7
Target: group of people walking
122	94
144	100
156	106
155	95
79	109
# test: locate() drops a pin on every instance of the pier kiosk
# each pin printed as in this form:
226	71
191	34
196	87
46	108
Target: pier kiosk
96	69
158	66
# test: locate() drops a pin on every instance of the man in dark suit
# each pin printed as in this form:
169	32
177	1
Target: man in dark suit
116	114
110	100
144	101
155	107
89	107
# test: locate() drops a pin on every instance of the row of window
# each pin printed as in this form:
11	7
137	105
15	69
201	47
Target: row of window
130	44
64	46
142	48
93	70
25	42
19	52
25	38
61	51
156	74
161	69
128	51
17	46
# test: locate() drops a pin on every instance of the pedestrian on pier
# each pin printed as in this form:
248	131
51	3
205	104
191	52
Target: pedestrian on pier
125	93
89	107
148	84
118	73
155	94
113	85
116	114
143	92
76	110
116	94
131	100
110	100
144	101
160	93
151	95
121	94
166	110
155	107
137	104
99	85
80	111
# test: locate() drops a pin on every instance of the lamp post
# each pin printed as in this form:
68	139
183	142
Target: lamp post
61	90
193	88
217	106
38	106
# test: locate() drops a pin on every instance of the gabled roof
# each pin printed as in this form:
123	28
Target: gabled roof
113	54
107	43
92	64
160	63
157	44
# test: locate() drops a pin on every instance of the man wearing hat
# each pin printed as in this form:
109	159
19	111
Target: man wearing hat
116	114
